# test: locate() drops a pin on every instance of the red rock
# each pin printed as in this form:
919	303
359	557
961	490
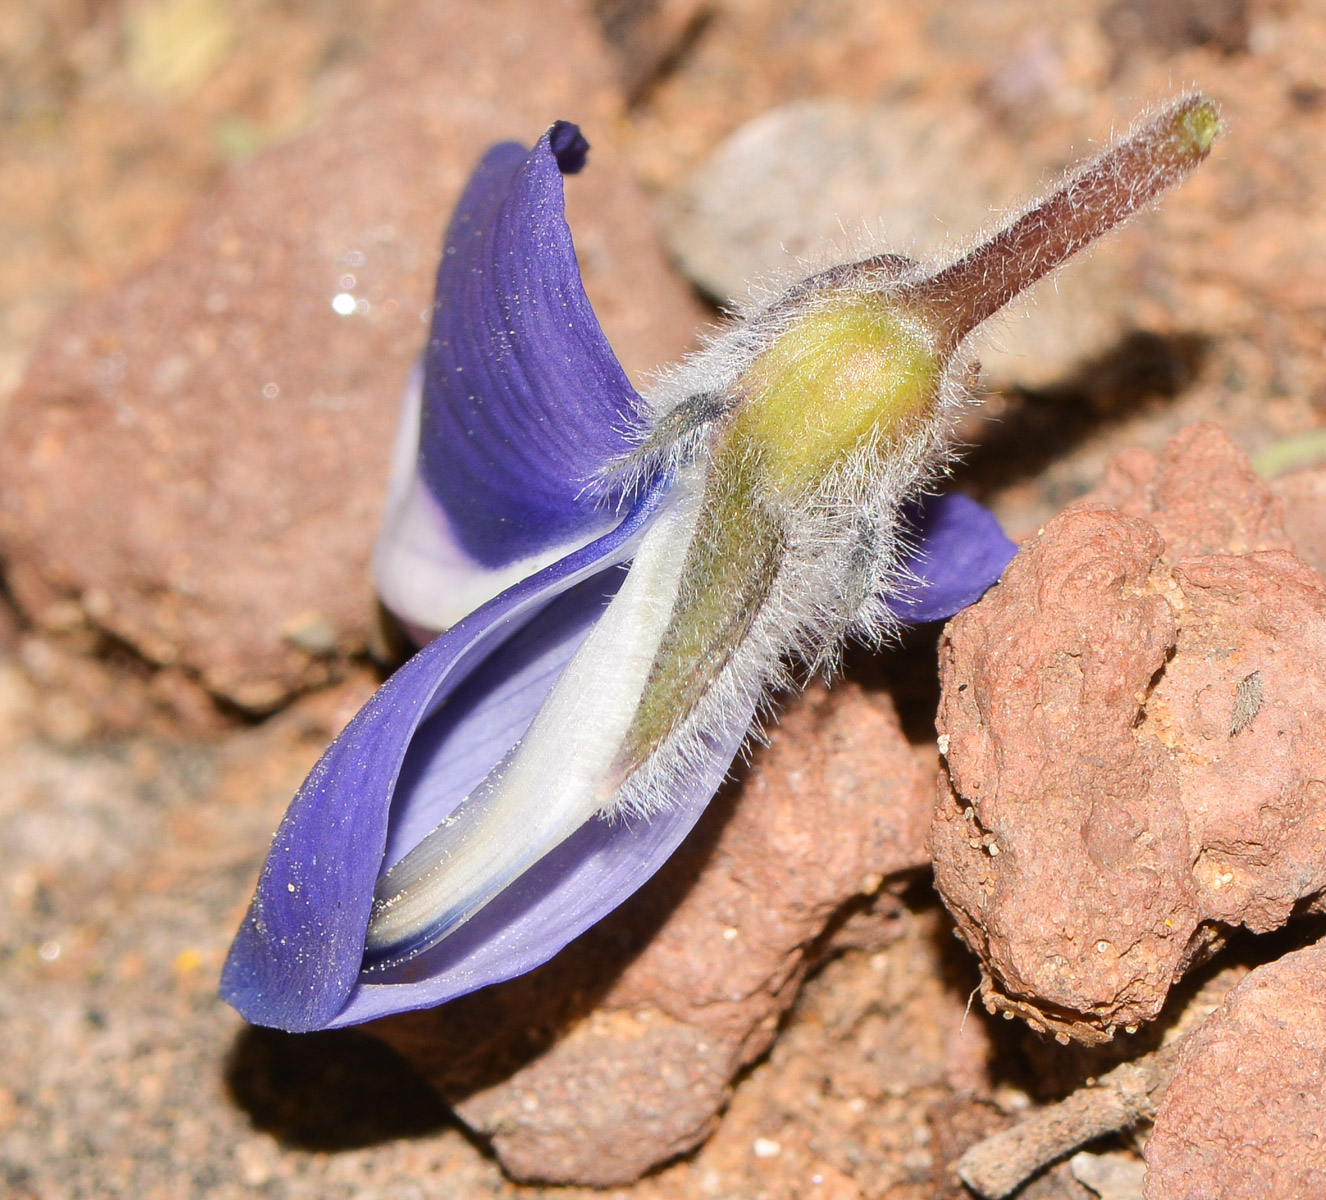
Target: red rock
1201	493
1242	710
1135	743
620	1053
197	457
1303	494
1037	841
1242	1118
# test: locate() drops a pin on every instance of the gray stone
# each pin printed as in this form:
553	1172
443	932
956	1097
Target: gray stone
821	181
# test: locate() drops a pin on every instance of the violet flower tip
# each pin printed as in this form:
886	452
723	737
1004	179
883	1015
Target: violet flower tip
569	146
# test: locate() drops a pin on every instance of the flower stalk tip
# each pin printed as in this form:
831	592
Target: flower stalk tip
1152	157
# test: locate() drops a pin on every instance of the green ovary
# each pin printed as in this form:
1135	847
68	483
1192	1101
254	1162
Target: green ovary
846	375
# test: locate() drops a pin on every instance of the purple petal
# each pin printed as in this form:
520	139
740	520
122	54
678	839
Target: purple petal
568	891
524	401
961	552
299	951
420	570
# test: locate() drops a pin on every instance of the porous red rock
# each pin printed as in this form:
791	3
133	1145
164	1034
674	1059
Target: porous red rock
1201	493
1135	734
1242	1118
1303	495
620	1053
196	460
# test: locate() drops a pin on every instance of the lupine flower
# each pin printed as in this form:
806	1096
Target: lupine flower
618	582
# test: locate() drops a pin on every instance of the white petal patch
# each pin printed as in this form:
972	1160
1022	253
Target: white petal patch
560	774
420	570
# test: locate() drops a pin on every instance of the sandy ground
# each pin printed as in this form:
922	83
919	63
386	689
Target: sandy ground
131	846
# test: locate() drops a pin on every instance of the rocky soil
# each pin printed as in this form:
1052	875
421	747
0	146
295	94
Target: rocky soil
191	466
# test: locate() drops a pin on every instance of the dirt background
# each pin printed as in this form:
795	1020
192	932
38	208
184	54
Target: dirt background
135	806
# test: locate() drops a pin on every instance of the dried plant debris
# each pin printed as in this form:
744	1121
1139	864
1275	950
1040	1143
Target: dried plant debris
1119	1099
1134	723
998	1166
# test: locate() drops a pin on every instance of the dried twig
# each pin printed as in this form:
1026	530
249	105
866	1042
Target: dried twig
999	1165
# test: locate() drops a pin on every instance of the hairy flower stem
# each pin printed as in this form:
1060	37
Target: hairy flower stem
866	373
1157	153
